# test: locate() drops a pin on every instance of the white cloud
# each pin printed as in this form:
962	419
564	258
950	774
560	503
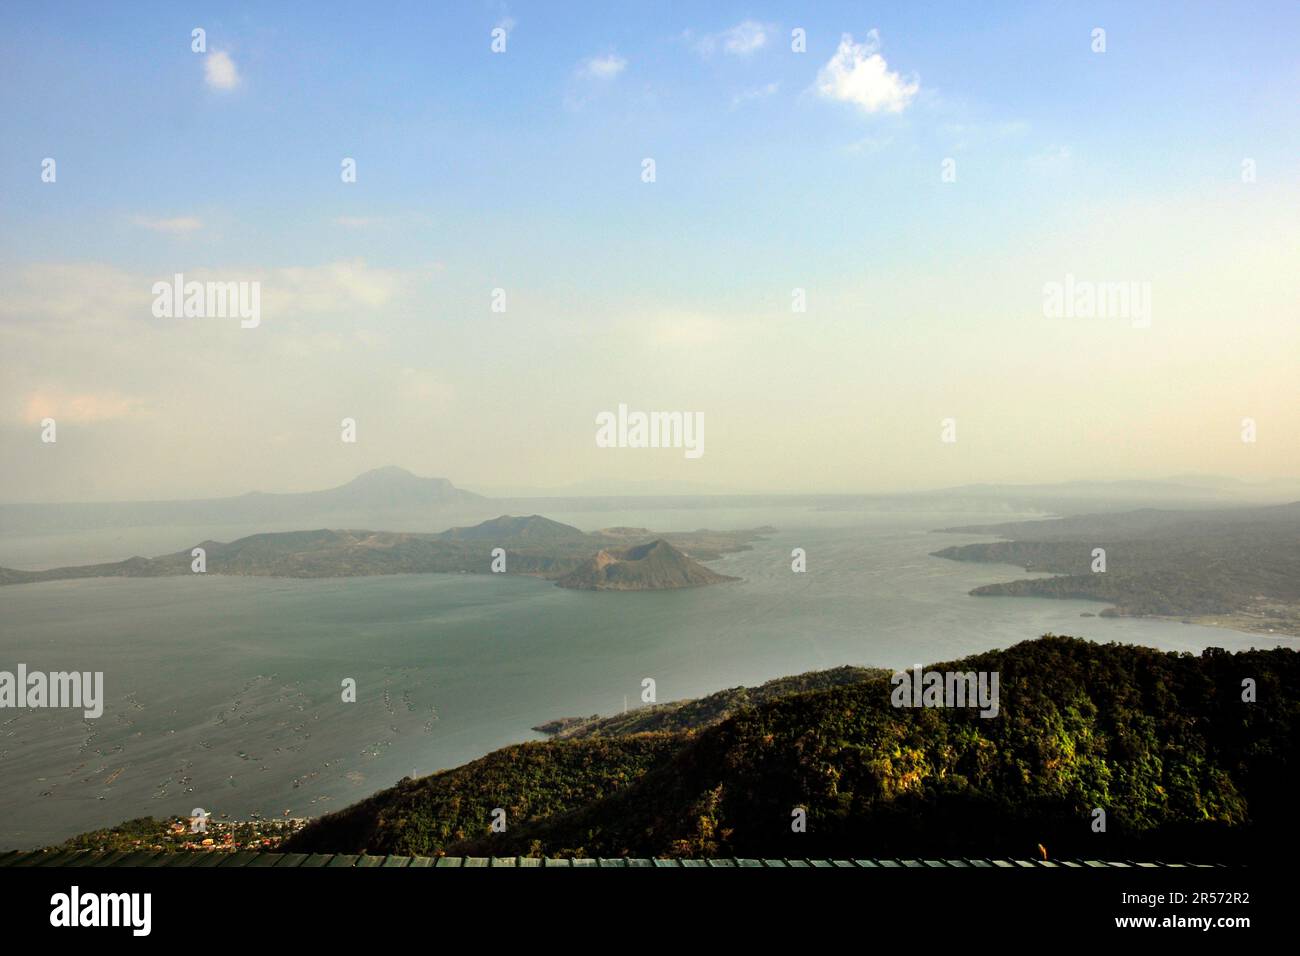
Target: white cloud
219	71
602	67
101	299
592	78
176	226
746	37
344	286
81	345
858	74
68	296
79	407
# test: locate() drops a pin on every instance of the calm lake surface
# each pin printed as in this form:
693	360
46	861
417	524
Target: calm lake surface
224	693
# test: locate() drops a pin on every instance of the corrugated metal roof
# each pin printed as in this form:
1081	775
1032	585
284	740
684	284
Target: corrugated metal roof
42	858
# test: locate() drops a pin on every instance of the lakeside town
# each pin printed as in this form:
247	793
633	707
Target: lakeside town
194	834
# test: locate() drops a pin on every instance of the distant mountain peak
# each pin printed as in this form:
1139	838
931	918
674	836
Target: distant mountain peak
391	474
386	470
394	485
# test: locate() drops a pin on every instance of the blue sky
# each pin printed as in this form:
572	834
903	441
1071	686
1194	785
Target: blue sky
484	144
522	170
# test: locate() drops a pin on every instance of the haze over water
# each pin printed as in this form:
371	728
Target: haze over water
224	692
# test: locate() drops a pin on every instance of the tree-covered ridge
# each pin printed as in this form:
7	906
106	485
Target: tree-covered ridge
1163	743
1239	568
688	715
531	781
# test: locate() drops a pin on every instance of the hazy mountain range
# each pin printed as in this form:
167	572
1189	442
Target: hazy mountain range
391	490
393	497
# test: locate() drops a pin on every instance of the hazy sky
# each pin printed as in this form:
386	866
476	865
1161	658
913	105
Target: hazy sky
522	171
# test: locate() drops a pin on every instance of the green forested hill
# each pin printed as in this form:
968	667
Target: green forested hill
683	715
529	781
1162	742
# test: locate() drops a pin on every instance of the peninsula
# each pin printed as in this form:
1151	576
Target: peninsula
1237	568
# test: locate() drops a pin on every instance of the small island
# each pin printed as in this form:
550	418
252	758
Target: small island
646	567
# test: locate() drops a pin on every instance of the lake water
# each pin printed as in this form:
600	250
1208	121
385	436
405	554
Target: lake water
224	693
